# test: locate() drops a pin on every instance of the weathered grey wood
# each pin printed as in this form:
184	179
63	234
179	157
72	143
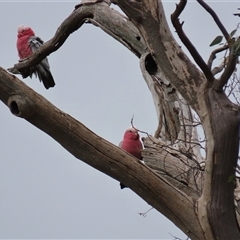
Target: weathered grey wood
99	153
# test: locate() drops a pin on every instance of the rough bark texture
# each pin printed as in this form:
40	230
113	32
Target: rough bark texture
196	194
98	153
225	155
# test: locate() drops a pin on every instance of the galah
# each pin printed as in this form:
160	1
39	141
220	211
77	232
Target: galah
27	44
131	144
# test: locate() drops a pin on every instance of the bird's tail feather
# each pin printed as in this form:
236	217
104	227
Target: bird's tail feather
44	75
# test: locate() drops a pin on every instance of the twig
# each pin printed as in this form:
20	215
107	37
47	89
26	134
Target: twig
177	238
233	88
138	129
145	213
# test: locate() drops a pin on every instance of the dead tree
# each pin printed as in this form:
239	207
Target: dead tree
199	194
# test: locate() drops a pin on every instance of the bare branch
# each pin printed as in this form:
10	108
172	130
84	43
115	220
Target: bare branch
232	58
196	56
216	19
101	15
227	73
213	55
219	68
99	153
71	24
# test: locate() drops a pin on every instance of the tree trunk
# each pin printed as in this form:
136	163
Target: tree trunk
225	127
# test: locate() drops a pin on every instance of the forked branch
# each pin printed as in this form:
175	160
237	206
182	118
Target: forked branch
232	58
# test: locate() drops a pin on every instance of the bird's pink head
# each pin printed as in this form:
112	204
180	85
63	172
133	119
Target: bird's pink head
25	30
131	133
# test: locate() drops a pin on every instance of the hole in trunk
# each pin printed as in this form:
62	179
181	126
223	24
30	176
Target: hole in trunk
14	108
150	64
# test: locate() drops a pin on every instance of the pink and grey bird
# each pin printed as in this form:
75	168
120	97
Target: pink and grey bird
27	44
131	144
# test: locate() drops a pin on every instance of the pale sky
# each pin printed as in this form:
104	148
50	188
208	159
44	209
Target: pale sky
45	191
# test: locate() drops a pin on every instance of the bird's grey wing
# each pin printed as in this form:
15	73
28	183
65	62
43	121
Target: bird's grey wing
42	70
35	43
